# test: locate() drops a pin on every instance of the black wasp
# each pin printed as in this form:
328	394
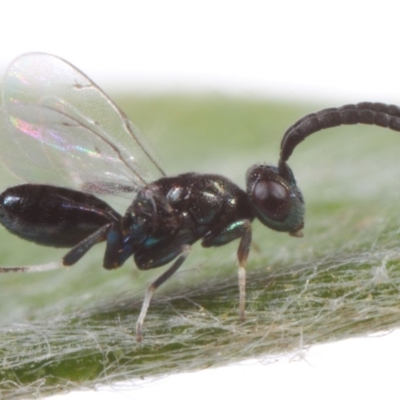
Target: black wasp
62	132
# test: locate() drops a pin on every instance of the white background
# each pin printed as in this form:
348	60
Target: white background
294	49
299	50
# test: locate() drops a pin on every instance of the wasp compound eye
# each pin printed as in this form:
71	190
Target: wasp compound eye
272	199
275	199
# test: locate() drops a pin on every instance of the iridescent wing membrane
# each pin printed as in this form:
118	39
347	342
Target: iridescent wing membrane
59	128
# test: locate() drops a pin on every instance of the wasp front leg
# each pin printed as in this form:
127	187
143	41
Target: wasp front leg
238	229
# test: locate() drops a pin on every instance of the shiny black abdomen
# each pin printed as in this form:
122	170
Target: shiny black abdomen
53	216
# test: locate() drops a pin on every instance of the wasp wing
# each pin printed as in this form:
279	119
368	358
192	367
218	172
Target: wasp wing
58	127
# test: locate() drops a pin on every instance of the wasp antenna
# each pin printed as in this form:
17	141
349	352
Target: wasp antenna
33	268
384	115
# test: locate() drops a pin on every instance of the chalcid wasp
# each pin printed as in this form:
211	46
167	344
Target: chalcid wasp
61	133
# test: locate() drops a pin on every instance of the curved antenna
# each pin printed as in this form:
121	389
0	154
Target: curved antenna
386	116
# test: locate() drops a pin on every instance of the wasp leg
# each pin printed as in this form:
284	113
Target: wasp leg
115	255
78	251
116	251
242	254
33	268
158	282
239	229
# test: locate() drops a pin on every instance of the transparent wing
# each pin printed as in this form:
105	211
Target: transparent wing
58	127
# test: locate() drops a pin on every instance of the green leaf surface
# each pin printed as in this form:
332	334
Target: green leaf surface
76	327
